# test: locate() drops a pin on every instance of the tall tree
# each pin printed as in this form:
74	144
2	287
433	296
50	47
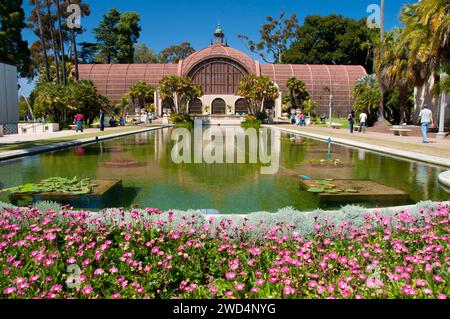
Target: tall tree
13	48
332	39
106	36
61	42
394	72
143	54
42	39
117	35
276	37
87	51
51	27
128	34
175	53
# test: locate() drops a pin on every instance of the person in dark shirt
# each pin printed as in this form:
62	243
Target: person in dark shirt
102	120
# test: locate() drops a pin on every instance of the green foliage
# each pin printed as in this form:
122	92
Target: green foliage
144	54
309	106
180	90
116	36
257	89
63	102
175	53
74	186
367	97
143	93
276	37
298	92
13	49
181	120
332	39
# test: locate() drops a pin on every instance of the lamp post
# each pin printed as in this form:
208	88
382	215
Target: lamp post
331	110
441	135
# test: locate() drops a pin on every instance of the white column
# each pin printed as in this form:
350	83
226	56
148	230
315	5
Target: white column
279	106
441	135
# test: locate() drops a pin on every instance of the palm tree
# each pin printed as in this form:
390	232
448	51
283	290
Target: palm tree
394	71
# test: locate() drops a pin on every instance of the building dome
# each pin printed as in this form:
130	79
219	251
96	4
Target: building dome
218	50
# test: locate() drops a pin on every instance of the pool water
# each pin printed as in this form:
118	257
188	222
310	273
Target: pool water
151	178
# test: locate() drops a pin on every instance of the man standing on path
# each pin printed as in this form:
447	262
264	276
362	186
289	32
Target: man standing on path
102	120
351	121
79	119
426	121
362	122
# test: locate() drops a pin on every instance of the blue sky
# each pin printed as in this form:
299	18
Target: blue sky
170	22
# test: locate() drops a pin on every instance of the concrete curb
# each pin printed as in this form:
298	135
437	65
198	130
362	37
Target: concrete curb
444	179
439	161
63	145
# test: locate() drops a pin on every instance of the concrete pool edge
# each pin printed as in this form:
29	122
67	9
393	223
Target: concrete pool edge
9	155
435	160
444	178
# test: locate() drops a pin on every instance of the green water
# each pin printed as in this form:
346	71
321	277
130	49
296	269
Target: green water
229	188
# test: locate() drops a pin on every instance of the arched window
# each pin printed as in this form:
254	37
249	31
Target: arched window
196	107
218	106
241	106
218	76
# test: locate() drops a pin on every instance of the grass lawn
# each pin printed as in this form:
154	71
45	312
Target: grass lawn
342	121
30	144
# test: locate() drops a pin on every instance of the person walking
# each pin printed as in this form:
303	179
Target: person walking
351	121
292	119
426	121
102	120
363	122
79	119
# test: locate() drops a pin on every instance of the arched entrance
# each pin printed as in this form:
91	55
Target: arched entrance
241	106
196	107
218	106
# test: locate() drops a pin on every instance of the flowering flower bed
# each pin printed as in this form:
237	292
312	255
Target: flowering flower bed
148	254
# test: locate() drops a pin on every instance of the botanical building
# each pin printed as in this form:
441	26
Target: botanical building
218	69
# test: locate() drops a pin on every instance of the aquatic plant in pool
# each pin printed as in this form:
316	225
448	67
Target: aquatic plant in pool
147	254
74	186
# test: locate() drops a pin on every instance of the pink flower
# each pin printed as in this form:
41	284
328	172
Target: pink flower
9	290
71	260
113	270
116	296
87	290
260	282
34	278
230	275
99	272
288	291
213	290
239	287
56	288
254	289
229	293
86	262
442	296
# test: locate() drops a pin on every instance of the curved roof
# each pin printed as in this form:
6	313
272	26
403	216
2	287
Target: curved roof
113	80
318	78
218	50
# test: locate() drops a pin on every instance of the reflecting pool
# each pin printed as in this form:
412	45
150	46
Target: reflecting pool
152	177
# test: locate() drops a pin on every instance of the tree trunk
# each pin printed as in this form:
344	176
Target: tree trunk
61	43
402	101
381	118
74	49
175	100
52	35
262	105
41	35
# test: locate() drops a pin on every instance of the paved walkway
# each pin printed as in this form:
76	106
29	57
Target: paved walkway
437	148
15	146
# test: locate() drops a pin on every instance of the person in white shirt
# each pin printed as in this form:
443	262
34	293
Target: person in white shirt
426	121
362	122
